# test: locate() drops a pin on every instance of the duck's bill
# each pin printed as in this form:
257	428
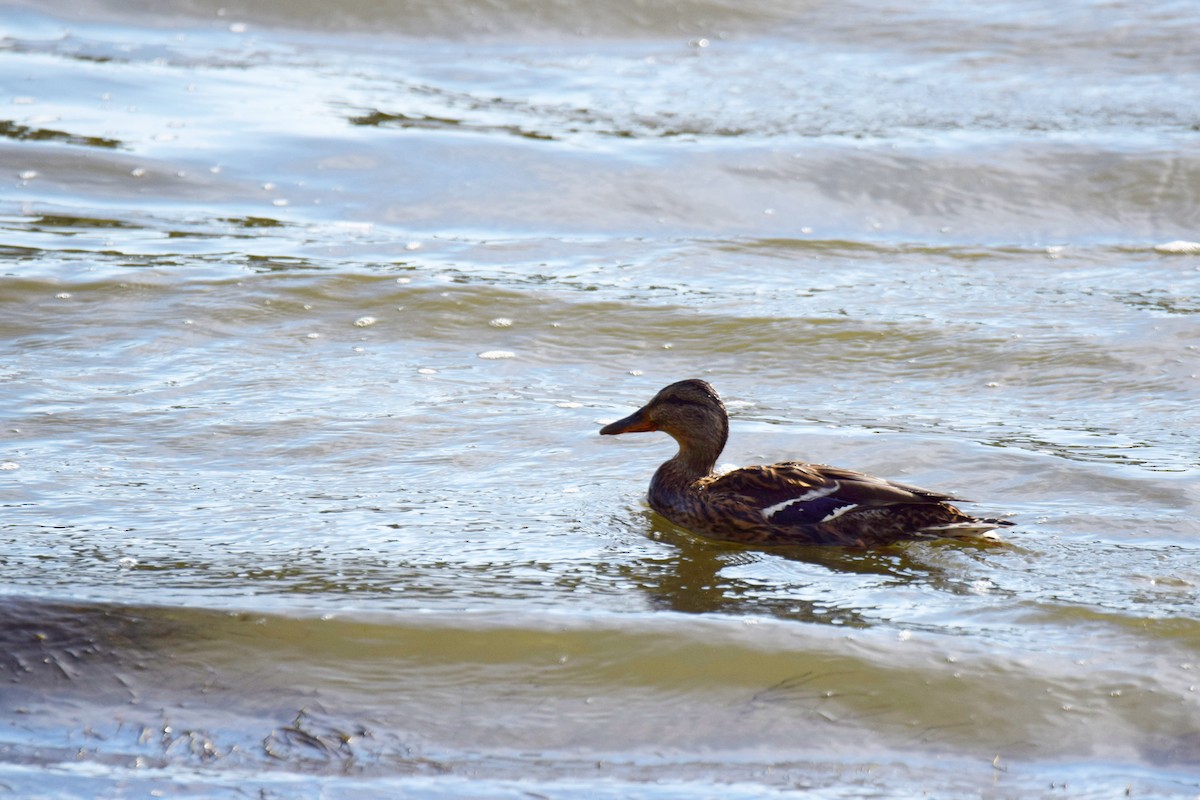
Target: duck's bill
636	422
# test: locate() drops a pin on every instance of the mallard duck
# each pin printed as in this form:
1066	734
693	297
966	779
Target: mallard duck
785	503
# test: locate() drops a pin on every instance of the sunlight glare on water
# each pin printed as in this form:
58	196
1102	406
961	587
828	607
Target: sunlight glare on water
311	315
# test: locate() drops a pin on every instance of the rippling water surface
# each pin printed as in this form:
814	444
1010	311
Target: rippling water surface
309	315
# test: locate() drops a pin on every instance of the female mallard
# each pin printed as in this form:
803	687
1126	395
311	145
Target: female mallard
786	503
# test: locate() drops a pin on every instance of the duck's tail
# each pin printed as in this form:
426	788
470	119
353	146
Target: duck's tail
969	528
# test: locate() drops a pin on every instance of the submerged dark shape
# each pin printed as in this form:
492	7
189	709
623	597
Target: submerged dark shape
785	503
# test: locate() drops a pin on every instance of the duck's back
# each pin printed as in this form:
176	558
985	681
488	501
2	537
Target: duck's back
797	503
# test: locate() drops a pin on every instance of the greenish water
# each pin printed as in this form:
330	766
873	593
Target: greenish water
309	319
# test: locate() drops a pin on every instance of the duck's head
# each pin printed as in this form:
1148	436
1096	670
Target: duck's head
691	411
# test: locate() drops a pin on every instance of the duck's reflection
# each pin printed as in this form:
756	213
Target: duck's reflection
702	576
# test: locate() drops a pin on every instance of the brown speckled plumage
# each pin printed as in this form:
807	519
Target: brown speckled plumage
786	503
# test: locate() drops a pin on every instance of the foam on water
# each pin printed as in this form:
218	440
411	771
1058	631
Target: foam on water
308	313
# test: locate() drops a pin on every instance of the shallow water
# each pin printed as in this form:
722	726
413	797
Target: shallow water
309	317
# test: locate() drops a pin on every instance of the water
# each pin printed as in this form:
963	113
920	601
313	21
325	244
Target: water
310	315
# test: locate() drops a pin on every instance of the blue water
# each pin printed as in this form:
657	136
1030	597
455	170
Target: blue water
310	315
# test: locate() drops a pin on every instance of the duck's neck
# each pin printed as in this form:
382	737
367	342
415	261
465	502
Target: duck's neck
695	460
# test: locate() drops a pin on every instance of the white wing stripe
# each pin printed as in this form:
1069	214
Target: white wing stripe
837	512
815	494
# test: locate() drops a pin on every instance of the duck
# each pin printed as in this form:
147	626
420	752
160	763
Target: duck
786	503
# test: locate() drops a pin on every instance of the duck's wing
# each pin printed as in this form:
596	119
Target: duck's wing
792	493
